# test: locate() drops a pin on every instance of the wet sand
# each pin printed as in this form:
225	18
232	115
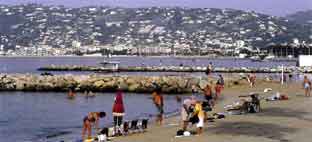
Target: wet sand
279	121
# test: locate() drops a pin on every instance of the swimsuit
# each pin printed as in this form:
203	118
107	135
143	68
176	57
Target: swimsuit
306	85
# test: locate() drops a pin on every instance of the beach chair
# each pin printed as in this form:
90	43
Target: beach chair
144	124
134	126
126	128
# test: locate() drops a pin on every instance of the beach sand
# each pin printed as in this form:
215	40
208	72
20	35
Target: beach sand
279	121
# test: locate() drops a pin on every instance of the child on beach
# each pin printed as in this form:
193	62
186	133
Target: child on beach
159	103
91	119
118	111
307	86
198	111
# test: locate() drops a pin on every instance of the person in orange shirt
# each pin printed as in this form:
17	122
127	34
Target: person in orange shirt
159	103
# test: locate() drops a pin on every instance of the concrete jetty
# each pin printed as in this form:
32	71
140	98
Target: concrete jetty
174	69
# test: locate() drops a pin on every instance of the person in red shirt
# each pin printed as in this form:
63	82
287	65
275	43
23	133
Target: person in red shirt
118	111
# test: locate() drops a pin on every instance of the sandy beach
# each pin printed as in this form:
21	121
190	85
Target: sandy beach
279	121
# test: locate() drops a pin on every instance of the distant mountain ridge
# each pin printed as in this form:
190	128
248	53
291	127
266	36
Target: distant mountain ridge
301	17
57	26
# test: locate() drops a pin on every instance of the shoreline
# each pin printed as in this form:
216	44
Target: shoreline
286	69
278	121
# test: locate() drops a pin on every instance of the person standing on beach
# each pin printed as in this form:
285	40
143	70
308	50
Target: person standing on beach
159	103
198	111
208	95
209	68
118	111
219	86
209	101
91	119
307	86
252	79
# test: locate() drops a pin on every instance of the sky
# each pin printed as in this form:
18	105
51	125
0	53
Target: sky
271	7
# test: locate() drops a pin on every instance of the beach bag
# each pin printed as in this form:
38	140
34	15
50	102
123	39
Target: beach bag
101	138
180	133
126	127
144	123
206	106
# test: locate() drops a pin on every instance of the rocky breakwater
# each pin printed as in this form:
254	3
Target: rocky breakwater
100	83
174	69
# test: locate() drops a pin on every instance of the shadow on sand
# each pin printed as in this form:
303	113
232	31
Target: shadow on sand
284	112
270	131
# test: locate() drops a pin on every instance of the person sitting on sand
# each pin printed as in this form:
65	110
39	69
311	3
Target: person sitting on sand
186	111
118	111
159	103
307	86
88	121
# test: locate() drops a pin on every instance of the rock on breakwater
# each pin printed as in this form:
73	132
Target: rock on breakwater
100	83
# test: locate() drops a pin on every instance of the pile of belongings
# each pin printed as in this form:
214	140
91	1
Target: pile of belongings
236	108
128	127
249	104
277	97
181	133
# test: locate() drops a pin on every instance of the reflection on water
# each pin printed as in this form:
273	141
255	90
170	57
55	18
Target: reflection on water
36	116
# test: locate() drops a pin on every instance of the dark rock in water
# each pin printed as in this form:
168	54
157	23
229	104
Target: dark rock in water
46	74
57	134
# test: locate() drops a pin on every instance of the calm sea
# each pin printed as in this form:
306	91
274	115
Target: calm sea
31	64
33	117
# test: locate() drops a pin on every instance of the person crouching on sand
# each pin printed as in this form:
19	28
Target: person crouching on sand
159	103
307	86
118	111
186	111
88	121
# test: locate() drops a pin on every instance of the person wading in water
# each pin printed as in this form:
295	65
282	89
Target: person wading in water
159	103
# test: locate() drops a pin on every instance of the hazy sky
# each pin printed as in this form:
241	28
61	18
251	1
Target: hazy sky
273	7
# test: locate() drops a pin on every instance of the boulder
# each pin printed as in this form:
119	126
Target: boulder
133	87
203	83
